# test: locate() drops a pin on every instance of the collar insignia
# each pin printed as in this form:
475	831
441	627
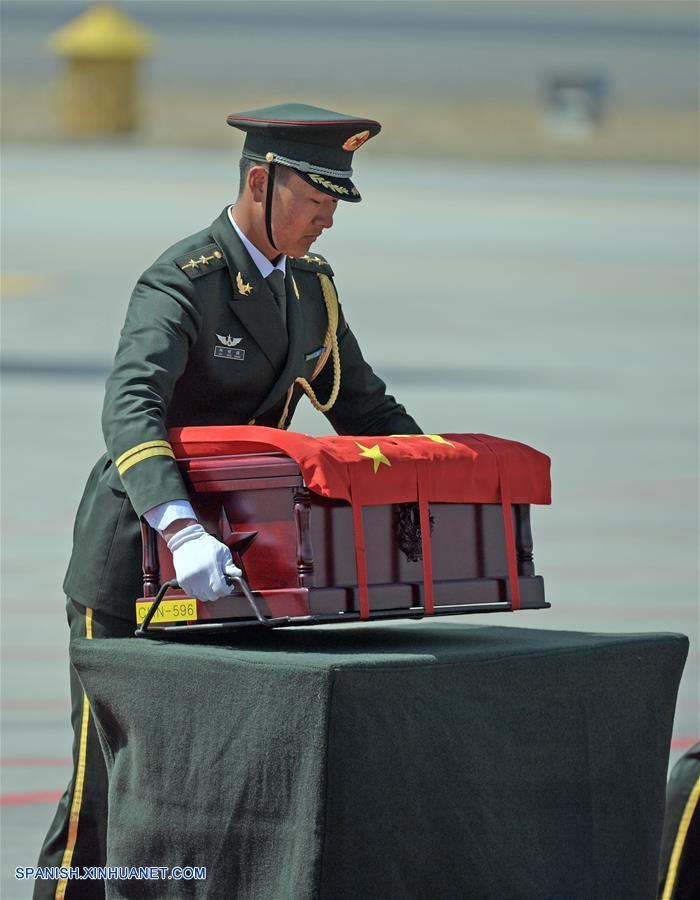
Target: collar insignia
243	287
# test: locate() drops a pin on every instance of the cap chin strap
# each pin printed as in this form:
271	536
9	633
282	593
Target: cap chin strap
268	203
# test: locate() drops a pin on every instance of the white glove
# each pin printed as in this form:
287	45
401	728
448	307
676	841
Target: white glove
200	561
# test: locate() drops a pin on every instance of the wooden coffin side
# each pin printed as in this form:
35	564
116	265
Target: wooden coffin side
296	547
467	542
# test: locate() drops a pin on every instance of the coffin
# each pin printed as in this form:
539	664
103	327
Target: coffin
332	530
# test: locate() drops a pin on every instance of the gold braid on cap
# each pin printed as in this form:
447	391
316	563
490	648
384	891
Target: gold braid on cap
330	298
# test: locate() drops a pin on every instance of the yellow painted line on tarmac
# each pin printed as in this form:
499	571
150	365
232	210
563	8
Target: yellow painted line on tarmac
19	284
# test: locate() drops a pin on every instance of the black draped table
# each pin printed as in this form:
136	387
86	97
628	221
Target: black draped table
412	761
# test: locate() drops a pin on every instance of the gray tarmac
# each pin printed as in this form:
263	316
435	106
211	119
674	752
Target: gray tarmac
554	306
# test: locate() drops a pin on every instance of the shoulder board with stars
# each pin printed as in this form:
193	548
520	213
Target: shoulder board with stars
312	262
201	261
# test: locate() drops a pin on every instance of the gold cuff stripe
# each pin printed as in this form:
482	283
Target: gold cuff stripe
77	801
145	454
138	448
677	851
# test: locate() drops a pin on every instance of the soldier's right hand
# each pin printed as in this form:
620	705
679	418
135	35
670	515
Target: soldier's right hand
200	561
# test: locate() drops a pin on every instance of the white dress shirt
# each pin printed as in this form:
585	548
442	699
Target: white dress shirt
265	267
159	517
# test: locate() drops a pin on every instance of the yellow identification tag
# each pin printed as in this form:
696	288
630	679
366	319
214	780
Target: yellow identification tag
182	609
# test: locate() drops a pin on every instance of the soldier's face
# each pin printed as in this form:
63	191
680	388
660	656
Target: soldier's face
300	214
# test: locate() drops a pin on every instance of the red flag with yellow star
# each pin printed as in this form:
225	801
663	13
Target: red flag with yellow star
459	468
364	471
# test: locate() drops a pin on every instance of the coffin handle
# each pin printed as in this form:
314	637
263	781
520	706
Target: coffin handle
237	580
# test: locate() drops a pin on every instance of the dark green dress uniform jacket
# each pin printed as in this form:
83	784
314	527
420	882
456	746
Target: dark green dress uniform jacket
204	344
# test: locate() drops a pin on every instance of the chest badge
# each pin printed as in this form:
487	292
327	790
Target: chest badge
243	286
229	349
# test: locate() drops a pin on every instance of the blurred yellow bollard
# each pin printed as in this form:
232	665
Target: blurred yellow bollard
100	89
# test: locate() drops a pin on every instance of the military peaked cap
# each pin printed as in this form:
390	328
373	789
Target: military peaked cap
317	143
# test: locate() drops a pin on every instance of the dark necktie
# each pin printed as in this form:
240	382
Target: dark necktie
275	281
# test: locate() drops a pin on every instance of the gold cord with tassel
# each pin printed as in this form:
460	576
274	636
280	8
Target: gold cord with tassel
330	298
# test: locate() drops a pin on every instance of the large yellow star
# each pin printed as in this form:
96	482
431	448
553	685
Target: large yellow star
375	454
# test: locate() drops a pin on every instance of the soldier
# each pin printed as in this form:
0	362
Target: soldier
229	326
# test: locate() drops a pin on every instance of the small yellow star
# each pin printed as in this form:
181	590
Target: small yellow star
375	454
438	438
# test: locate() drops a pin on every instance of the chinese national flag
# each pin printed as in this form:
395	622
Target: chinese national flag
449	468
